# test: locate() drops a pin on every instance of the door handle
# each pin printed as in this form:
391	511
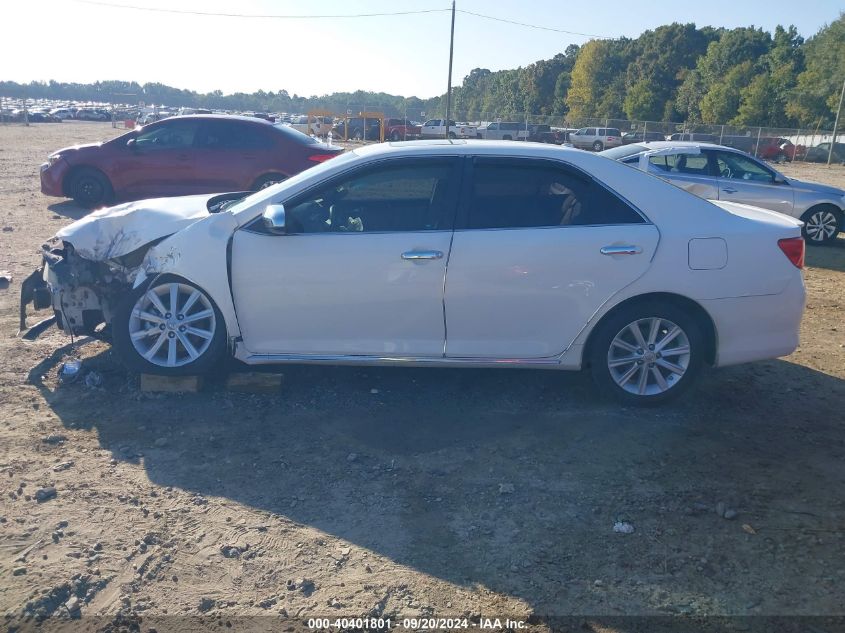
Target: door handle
412	255
620	250
729	190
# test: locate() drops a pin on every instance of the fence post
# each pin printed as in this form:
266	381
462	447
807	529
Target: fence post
645	129
757	147
721	134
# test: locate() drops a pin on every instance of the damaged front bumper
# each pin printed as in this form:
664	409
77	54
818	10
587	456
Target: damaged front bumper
83	294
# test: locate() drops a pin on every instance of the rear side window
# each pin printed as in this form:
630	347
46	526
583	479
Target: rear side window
512	194
612	131
229	135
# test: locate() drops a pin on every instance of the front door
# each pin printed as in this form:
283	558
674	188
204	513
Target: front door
161	162
743	179
537	251
360	270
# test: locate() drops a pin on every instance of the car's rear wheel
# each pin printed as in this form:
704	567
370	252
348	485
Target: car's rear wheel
90	188
821	224
647	354
598	146
452	135
395	136
169	326
266	181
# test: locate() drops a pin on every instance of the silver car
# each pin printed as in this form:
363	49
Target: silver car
716	172
596	138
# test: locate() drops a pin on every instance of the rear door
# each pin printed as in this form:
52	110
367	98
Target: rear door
230	155
746	180
538	248
691	172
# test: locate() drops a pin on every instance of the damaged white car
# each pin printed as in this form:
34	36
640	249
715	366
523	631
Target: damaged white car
440	253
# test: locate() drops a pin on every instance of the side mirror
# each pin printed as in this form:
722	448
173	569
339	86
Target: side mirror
274	218
780	180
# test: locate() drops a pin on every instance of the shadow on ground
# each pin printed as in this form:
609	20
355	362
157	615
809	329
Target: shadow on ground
69	209
512	480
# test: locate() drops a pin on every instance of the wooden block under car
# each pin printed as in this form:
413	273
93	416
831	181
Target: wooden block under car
254	382
170	384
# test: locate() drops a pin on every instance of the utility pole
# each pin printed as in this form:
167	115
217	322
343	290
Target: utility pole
449	87
835	124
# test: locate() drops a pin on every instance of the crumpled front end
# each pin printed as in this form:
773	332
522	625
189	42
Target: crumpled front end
83	293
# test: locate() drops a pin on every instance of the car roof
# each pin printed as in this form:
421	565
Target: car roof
223	117
699	144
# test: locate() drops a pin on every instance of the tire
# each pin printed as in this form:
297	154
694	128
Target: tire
452	135
614	341
395	136
821	224
165	351
266	181
598	146
90	188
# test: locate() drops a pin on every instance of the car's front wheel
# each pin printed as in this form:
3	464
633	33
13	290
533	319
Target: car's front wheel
598	146
647	354
90	188
267	180
169	326
821	224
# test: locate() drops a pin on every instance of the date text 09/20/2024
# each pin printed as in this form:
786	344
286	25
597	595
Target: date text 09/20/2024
415	624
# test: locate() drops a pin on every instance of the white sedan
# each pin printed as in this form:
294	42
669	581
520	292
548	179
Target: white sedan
440	253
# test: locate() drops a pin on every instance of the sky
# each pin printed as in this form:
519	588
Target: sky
89	40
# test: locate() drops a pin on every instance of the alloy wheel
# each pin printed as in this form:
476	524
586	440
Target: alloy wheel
649	356
172	324
821	226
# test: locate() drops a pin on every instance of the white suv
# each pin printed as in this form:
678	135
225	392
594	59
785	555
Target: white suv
596	138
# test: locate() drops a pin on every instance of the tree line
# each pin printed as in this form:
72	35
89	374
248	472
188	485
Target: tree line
676	72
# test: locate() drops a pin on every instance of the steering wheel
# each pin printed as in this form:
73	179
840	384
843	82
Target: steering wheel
726	172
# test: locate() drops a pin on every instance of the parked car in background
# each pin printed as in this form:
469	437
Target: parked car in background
503	131
701	137
179	156
542	133
326	268
641	137
775	149
42	117
358	129
62	113
92	114
717	172
401	130
596	138
819	153
436	128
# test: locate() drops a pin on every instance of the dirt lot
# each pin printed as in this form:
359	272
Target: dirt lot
475	493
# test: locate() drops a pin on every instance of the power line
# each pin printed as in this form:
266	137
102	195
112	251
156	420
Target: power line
531	26
332	16
255	15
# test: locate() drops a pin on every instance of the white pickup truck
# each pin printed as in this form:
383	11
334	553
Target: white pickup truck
436	128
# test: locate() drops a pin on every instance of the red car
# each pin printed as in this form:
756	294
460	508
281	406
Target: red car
182	156
400	129
778	149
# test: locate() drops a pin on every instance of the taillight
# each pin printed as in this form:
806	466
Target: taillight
793	248
319	158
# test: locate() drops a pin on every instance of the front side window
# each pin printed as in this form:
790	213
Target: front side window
172	135
591	131
417	195
739	167
524	194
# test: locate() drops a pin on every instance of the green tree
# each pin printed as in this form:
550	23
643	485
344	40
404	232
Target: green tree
816	95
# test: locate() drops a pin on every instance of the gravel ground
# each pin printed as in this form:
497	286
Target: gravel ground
412	492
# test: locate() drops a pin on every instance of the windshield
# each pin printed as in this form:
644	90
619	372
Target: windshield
268	194
618	153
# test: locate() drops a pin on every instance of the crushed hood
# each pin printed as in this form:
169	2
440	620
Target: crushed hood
116	231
